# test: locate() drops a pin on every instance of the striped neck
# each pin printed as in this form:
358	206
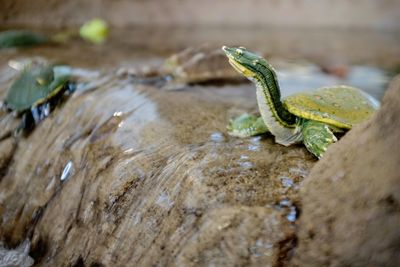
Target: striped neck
266	81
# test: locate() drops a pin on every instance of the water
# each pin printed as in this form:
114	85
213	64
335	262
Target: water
16	257
289	208
68	171
217	137
287	182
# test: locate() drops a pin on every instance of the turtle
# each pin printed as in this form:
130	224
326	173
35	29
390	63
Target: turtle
194	65
36	92
312	117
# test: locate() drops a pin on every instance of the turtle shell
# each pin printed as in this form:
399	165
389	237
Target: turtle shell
340	106
201	64
36	85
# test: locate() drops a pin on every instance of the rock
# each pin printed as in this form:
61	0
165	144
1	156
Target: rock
7	148
351	199
125	175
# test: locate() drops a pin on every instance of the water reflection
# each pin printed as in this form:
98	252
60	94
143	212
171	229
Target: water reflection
217	137
254	143
291	210
68	170
287	182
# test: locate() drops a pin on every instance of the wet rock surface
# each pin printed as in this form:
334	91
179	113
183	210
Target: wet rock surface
129	175
17	257
350	200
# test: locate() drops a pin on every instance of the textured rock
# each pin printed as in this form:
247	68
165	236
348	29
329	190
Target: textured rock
351	199
125	175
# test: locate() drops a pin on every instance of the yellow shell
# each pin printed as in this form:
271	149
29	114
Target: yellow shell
340	106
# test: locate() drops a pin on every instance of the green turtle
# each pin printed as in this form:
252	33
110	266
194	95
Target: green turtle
310	117
36	90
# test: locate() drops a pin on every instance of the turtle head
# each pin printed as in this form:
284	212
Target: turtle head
243	61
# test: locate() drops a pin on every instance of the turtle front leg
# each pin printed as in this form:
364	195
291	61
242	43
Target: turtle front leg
246	125
317	136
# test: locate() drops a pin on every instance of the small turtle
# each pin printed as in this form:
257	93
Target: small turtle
36	91
309	117
194	65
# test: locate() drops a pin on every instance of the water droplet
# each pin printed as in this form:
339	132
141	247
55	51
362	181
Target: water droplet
217	137
287	182
164	201
292	215
285	203
254	144
246	164
128	151
45	111
68	170
253	147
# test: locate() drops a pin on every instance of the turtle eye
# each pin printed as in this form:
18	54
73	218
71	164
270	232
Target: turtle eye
239	51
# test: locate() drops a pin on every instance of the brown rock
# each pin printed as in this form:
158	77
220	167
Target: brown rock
351	199
122	175
7	148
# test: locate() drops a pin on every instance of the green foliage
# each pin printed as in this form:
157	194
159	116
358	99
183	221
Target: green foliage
15	38
95	31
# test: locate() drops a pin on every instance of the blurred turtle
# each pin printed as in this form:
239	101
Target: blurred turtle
199	65
36	91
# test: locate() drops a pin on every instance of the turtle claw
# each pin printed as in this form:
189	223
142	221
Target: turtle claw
317	137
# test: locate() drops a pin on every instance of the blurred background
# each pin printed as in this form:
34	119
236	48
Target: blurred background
332	34
373	14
